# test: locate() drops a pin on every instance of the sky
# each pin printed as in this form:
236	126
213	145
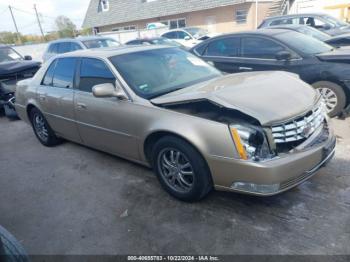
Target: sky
48	10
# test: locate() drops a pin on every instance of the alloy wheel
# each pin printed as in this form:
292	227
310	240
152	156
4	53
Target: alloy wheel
40	127
176	170
329	97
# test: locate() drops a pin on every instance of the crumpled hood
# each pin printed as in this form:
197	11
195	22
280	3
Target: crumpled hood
270	97
338	55
10	68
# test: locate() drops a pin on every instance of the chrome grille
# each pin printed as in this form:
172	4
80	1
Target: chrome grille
299	128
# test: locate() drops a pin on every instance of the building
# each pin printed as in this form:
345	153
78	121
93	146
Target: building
337	8
215	15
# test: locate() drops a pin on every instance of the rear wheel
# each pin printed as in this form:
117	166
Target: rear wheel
180	169
42	130
333	96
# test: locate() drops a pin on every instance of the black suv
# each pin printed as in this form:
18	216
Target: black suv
323	22
325	68
13	67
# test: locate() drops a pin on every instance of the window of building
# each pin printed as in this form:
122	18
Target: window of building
104	5
175	23
64	73
241	16
94	72
125	28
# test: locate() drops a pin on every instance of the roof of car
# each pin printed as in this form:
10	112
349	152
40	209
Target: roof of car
263	31
294	15
79	39
111	51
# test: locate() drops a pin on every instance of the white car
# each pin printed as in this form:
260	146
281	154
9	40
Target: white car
189	36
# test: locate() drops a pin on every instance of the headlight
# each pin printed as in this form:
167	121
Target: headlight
250	142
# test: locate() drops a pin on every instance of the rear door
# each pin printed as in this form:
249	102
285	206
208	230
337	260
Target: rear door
104	123
56	96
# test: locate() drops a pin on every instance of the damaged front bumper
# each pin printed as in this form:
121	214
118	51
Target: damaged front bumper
274	176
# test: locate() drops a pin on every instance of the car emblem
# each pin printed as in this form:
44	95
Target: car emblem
307	130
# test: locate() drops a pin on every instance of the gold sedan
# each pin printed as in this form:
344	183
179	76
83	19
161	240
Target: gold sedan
255	133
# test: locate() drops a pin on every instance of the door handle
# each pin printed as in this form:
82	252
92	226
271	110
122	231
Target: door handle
242	68
81	105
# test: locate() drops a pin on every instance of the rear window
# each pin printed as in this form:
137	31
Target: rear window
64	47
101	43
53	49
49	74
228	47
64	73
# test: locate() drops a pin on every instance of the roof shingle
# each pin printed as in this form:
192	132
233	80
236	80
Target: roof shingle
121	11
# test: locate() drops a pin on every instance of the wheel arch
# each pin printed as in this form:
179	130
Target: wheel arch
155	136
337	82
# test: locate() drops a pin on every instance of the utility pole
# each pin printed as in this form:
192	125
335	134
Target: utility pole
256	14
39	23
14	22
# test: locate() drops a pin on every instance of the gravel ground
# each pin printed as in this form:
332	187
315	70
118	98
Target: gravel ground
74	200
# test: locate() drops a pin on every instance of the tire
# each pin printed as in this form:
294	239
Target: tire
335	93
175	176
10	249
42	130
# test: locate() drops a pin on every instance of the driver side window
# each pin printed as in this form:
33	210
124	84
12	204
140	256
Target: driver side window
261	48
93	72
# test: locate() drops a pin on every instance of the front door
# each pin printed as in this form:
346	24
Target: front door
103	123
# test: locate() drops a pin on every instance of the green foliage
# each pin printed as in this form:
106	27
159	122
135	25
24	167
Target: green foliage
65	27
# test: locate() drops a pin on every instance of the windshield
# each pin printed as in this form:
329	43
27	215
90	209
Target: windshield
196	32
165	41
100	43
307	30
7	54
303	43
155	72
335	21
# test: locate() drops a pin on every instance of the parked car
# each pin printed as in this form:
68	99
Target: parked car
73	44
335	41
255	133
11	250
315	62
323	22
189	36
13	67
155	41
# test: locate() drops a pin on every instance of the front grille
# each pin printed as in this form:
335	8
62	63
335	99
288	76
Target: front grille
300	128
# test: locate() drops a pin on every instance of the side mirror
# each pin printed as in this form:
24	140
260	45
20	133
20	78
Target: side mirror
187	38
28	57
283	55
108	90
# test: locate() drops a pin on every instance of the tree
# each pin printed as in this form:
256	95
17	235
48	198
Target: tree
65	26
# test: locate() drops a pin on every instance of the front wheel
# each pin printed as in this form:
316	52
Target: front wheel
42	130
333	96
180	169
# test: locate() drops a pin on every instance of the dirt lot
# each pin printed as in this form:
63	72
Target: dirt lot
73	200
